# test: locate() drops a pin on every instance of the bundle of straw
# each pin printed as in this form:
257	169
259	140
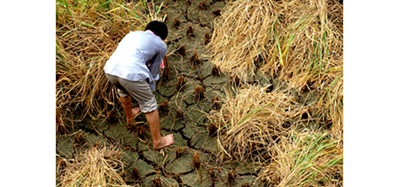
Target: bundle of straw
298	42
87	33
308	158
330	103
278	36
251	120
95	167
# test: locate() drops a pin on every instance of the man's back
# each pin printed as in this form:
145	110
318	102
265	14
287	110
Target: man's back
135	51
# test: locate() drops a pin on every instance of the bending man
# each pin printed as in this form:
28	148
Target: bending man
133	68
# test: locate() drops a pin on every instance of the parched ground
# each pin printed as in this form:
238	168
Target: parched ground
191	132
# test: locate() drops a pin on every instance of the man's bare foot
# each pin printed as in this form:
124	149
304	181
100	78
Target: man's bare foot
164	142
135	111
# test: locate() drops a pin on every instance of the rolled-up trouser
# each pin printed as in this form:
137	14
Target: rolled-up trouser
138	90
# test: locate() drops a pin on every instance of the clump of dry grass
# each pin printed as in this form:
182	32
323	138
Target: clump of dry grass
95	167
280	35
331	100
298	42
87	32
308	158
250	120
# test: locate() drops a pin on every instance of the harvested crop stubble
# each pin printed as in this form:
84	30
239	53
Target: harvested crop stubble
240	34
87	32
251	119
298	42
308	158
95	167
330	103
283	36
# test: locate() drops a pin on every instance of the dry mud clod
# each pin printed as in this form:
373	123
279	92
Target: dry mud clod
164	109
216	104
215	71
135	173
212	129
179	114
195	59
141	131
181	50
231	177
181	81
189	32
79	139
179	152
157	181
203	5
199	91
216	12
176	23
196	160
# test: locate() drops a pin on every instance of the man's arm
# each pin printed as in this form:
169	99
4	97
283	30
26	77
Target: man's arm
165	65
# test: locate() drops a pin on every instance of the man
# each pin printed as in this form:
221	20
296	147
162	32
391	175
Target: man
133	68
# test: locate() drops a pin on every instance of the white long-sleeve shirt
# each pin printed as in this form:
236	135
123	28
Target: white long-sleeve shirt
136	51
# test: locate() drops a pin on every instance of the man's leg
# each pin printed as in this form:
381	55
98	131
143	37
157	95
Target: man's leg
154	122
130	112
125	99
127	106
141	92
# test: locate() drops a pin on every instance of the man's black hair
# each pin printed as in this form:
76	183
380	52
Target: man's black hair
159	28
